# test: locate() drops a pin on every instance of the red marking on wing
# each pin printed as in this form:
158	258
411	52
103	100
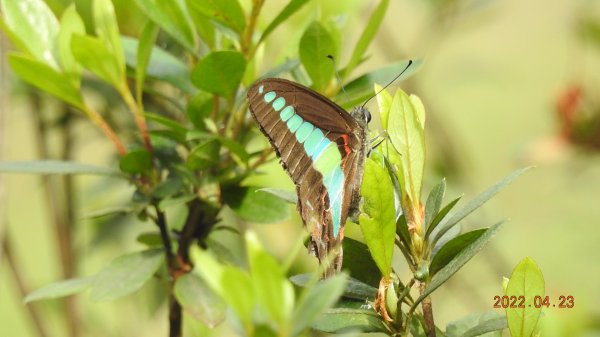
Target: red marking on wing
347	148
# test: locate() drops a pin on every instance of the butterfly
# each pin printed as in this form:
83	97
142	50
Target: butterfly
322	147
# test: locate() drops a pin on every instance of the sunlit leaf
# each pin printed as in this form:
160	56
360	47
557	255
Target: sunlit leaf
70	23
144	51
36	27
377	219
105	22
46	78
526	281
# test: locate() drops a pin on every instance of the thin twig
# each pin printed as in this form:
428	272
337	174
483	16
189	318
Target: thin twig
427	312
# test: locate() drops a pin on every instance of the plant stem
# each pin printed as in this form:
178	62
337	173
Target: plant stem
247	47
427	312
138	115
95	117
23	290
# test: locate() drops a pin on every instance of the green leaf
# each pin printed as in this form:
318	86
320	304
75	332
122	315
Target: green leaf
479	200
451	249
209	73
527	282
126	274
366	37
94	55
434	202
255	206
144	51
359	262
204	155
199	300
384	102
315	45
107	30
355	289
286	195
46	78
360	89
55	167
291	8
136	161
314	301
36	27
238	292
271	288
408	138
459	260
203	24
488	324
162	66
171	15
70	23
60	289
340	320
227	12
377	219
440	216
167	122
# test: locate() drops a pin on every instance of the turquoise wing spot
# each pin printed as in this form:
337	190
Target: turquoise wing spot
279	103
334	182
261	89
304	131
312	143
294	123
320	148
328	160
270	96
287	113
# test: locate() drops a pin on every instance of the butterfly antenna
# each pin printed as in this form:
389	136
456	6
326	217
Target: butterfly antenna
392	81
337	75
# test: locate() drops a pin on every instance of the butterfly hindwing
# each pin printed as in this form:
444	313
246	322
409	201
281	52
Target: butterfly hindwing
321	147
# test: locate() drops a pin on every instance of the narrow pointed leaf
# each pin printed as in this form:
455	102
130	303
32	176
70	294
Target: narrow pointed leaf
340	320
107	30
55	167
126	274
459	261
440	216
452	248
70	23
479	200
144	51
227	12
60	289
434	202
366	37
526	281
478	324
291	8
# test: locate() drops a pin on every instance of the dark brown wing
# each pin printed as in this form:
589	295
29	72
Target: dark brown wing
339	127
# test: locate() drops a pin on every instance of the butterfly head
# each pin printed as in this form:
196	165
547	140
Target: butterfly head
362	114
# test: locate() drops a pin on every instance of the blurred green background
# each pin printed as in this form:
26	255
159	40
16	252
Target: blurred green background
493	73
